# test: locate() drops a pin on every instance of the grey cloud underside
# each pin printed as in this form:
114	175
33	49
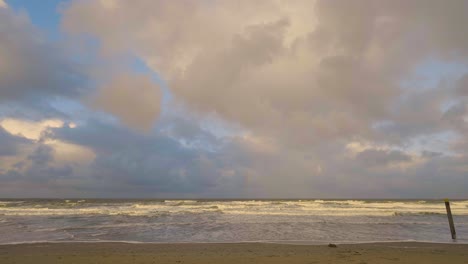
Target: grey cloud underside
34	169
371	158
130	164
10	144
32	67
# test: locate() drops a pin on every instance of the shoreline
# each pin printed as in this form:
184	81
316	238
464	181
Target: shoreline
197	253
286	242
283	242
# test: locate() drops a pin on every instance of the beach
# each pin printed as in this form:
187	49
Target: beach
397	252
231	231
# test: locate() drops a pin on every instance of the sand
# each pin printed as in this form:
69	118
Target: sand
233	253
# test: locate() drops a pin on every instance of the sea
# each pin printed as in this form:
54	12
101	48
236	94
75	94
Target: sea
313	221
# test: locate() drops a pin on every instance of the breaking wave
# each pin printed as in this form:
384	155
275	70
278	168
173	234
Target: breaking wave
252	207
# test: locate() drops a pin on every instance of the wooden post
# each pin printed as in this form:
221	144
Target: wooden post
450	219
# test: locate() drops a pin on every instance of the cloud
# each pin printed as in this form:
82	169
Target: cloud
463	85
41	156
131	164
30	156
316	77
320	98
135	99
151	165
304	80
33	69
430	154
29	129
382	157
10	143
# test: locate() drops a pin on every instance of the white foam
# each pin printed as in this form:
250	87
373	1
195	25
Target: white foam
313	207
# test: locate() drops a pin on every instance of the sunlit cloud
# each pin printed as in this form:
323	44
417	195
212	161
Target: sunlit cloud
30	129
61	153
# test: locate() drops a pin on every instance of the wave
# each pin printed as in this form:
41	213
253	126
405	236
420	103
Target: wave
417	213
180	202
269	221
316	203
251	207
150	211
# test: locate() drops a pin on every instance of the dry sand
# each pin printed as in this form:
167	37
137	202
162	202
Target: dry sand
116	253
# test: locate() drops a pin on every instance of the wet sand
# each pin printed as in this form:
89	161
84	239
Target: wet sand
233	253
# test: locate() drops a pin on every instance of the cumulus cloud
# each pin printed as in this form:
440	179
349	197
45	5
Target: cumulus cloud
29	129
313	72
305	79
135	99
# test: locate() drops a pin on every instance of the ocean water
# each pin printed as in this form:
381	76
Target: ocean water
275	221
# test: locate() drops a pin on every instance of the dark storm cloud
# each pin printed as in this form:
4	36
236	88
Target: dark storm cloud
375	157
36	168
155	164
41	156
10	144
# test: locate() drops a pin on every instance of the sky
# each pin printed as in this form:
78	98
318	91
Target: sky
234	99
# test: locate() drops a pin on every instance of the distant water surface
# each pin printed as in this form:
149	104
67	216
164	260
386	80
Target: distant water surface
283	221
